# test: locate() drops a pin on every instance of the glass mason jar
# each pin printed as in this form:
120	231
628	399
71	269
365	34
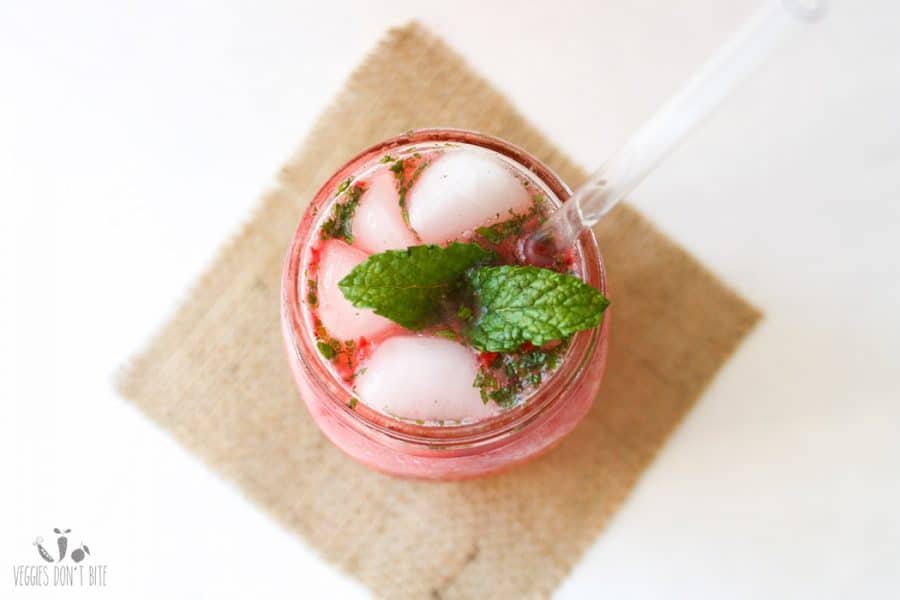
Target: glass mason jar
402	448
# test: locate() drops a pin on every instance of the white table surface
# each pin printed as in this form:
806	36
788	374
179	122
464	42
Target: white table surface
135	136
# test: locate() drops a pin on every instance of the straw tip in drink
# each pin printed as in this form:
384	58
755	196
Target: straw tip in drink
537	249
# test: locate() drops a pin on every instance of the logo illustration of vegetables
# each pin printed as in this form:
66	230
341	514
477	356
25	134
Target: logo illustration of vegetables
62	542
41	550
78	554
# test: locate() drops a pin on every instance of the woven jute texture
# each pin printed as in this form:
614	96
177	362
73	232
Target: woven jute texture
216	376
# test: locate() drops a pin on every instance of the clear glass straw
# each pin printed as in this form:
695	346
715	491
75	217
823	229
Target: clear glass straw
706	90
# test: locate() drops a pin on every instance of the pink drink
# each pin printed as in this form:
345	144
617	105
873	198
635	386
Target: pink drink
425	403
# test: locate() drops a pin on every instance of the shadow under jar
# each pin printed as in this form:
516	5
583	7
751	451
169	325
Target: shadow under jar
446	449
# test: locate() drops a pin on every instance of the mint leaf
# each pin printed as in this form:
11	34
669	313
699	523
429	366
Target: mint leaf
410	286
528	304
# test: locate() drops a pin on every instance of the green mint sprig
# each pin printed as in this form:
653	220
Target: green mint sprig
411	286
510	305
515	305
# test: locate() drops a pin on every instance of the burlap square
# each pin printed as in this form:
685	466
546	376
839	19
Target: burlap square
217	378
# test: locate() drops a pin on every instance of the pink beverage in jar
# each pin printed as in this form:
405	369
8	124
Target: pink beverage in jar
426	402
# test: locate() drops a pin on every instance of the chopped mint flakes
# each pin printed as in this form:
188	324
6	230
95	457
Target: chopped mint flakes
312	297
399	168
446	333
500	231
512	227
491	388
506	378
327	349
340	224
343	187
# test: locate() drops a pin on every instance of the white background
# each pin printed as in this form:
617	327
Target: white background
135	136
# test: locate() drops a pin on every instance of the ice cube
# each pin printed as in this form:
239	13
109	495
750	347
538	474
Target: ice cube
378	223
423	378
462	190
343	320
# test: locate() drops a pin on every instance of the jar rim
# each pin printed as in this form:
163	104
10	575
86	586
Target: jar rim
369	421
